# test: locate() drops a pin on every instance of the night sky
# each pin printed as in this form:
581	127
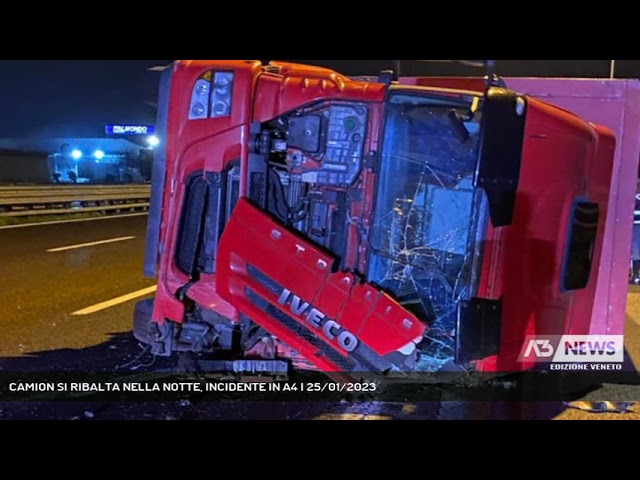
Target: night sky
55	98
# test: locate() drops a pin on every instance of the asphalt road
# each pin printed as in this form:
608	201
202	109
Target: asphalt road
48	272
42	289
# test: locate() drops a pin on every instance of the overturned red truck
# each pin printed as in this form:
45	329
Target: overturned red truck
300	217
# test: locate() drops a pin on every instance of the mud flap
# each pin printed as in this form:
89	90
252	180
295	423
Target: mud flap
290	288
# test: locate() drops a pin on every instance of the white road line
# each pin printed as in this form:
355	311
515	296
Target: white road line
116	301
91	244
57	222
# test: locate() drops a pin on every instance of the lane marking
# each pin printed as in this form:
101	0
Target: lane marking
58	222
116	301
90	244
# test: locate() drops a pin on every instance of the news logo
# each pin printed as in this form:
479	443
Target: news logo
573	349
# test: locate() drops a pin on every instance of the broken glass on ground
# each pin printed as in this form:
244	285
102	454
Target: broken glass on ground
602	407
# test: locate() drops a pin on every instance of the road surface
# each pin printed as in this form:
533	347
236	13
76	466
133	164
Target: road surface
68	295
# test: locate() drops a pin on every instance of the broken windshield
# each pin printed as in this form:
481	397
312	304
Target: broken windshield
428	218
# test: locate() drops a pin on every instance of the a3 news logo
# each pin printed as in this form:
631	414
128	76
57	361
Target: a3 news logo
573	348
539	348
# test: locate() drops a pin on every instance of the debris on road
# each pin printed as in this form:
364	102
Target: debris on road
602	407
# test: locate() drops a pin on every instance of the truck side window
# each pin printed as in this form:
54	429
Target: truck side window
580	245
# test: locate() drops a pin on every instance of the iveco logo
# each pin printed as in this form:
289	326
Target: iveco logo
332	329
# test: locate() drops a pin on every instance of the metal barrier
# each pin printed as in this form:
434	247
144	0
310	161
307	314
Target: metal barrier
65	199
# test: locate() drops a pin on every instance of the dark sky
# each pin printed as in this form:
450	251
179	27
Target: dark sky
73	97
53	98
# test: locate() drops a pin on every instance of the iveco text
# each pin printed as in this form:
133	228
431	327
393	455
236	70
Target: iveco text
315	317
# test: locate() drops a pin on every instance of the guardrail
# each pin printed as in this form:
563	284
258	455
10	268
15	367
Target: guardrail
59	199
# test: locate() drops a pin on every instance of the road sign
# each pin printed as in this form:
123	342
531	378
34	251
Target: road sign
130	129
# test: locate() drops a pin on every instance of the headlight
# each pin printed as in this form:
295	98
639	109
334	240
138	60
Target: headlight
200	99
212	96
222	94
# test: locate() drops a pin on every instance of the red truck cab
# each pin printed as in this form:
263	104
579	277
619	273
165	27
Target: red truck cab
352	225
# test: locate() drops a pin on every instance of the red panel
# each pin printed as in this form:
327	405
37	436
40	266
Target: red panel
192	146
600	309
616	105
253	239
558	161
298	85
204	294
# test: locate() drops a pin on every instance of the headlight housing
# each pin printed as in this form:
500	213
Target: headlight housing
212	96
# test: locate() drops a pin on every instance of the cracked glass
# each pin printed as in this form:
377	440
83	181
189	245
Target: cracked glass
429	219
